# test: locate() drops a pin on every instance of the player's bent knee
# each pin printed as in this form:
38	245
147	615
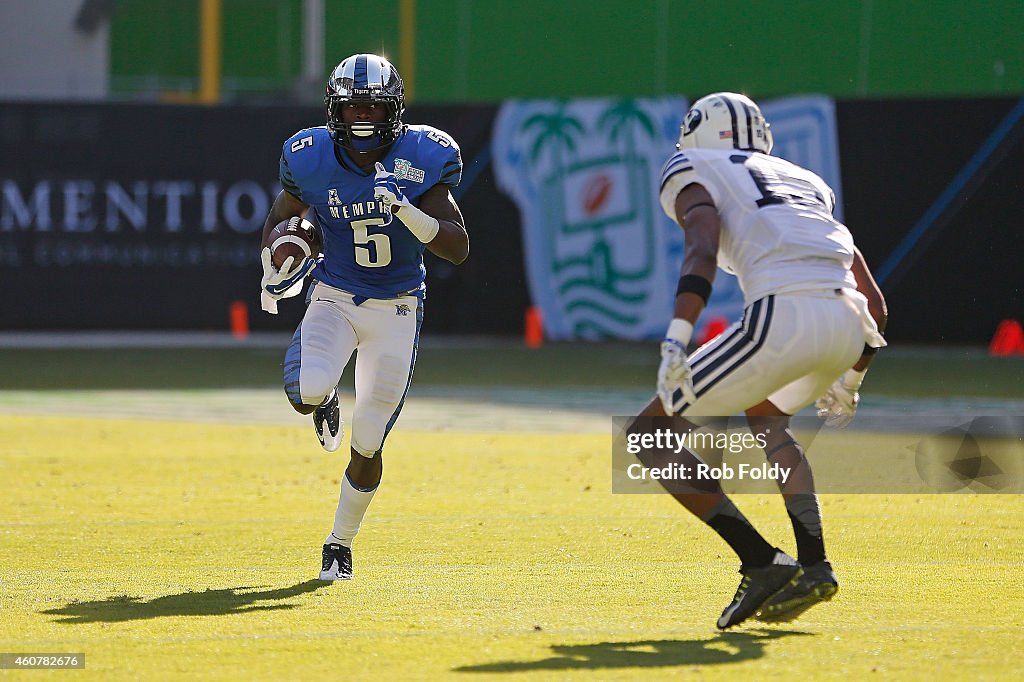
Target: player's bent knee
315	384
368	453
306	394
295	399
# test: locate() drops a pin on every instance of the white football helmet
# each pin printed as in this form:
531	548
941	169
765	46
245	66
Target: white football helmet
725	120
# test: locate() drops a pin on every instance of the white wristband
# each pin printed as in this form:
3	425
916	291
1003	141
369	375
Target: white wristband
422	226
852	379
680	330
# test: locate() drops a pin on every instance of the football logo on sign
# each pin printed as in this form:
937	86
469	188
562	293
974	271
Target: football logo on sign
597	193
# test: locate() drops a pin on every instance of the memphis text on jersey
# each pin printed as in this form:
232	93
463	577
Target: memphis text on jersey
358	209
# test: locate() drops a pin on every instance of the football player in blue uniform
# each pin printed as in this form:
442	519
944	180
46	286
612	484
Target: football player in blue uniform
378	191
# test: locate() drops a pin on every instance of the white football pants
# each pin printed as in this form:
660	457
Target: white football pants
788	348
386	334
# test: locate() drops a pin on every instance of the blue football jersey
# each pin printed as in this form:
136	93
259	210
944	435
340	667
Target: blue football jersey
365	250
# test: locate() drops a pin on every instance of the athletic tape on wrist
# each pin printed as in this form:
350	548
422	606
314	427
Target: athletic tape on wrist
853	378
680	330
422	226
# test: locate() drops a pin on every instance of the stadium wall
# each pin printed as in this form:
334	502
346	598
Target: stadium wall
147	216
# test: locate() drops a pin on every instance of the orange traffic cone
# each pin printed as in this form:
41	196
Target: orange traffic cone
238	314
1008	339
533	332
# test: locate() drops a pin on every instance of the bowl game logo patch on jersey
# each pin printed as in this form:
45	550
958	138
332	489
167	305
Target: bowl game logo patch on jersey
405	171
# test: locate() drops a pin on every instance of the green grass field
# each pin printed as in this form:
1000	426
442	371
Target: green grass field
183	539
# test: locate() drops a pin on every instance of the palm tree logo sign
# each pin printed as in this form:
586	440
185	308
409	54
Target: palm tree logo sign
584	175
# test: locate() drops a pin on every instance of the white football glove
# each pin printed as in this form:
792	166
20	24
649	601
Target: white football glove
283	282
839	404
386	189
675	378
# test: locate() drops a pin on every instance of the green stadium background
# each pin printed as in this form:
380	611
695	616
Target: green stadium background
467	51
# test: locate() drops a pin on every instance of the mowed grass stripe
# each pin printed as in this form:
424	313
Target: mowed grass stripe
896	372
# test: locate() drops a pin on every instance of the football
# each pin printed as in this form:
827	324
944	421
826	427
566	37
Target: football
294	237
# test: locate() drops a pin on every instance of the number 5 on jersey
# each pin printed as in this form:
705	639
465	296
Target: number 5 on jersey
372	250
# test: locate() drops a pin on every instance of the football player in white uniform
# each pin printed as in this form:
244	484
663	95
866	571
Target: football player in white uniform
813	313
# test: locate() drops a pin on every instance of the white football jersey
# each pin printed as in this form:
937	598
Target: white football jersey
778	234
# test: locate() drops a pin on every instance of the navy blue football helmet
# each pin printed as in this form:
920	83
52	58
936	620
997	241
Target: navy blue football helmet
369	79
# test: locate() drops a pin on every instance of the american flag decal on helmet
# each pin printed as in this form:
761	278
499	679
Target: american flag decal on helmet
724	134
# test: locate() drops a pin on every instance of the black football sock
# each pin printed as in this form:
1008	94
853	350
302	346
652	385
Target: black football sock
805	514
729	522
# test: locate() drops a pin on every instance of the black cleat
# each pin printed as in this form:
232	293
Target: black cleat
337	563
330	428
816	585
758	586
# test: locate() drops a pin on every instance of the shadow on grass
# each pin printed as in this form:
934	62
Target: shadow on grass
207	603
726	647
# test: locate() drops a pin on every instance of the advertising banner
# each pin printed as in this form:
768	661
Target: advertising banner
584	174
138	216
